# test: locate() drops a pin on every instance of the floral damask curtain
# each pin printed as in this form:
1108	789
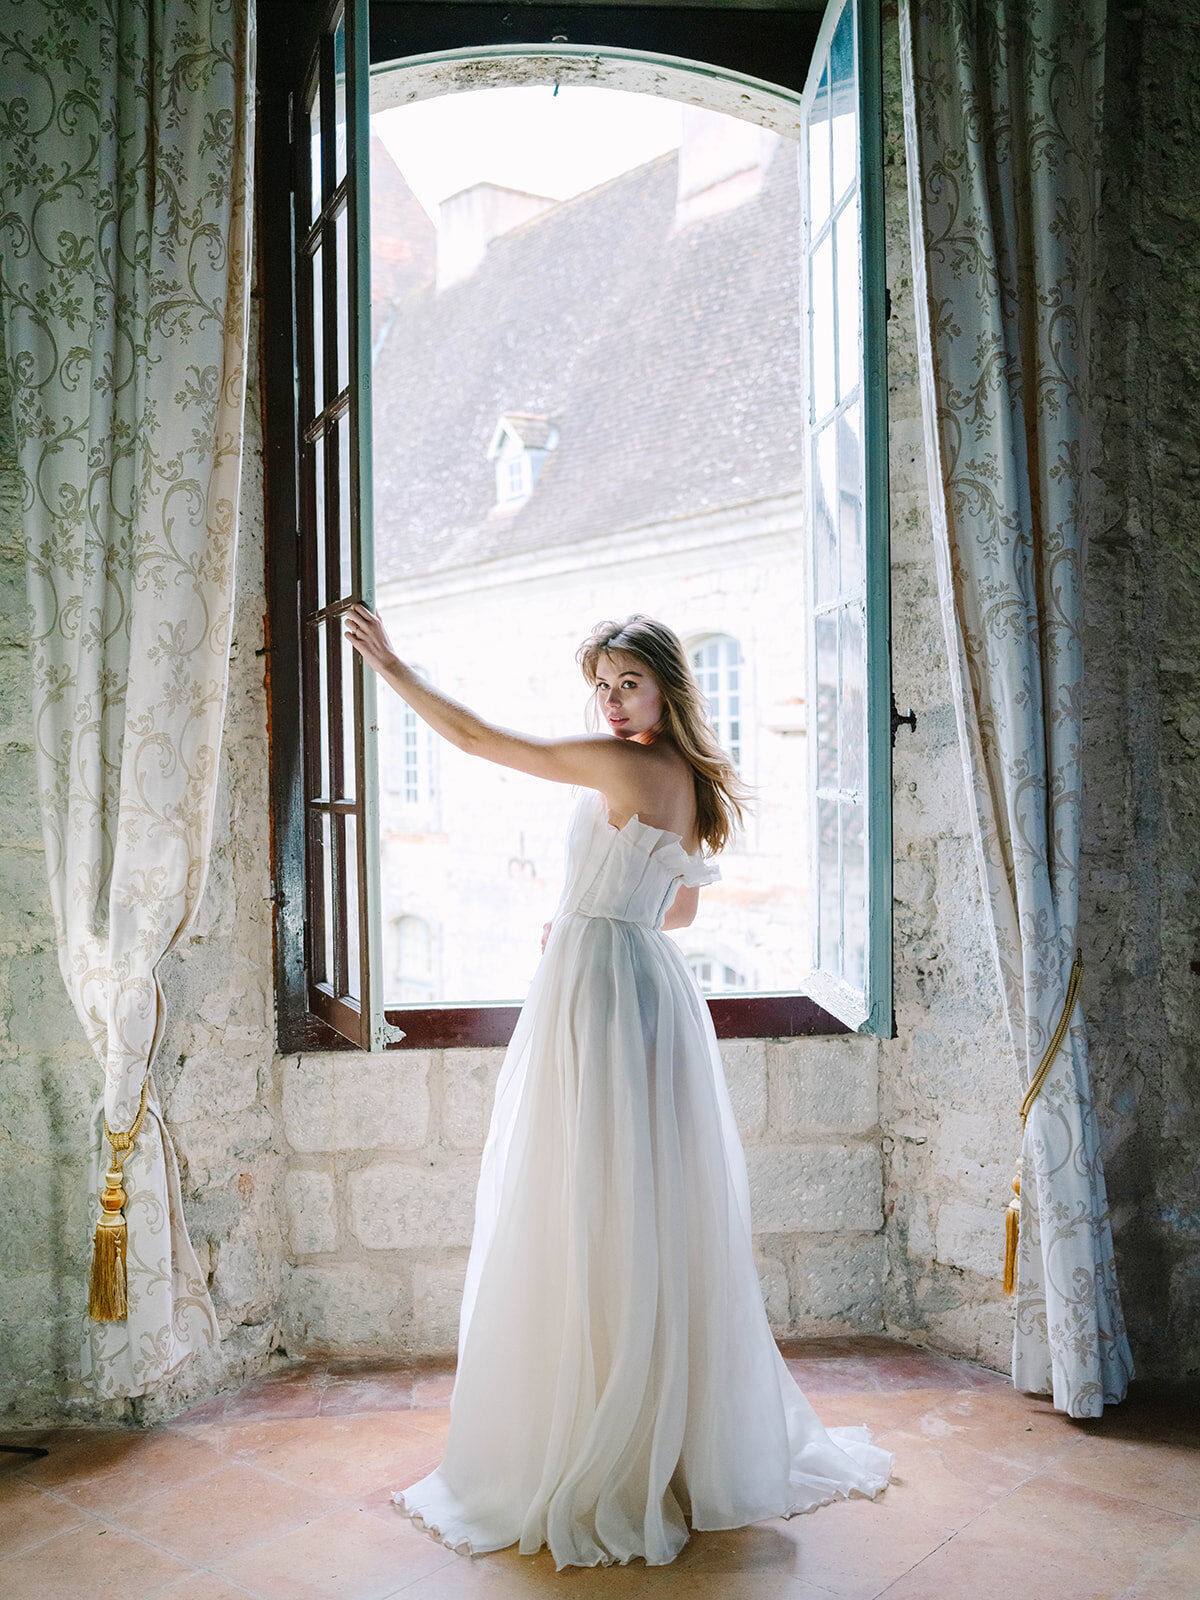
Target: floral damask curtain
125	141
1002	127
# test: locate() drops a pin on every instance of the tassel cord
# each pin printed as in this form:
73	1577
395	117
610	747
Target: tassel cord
1012	1215
108	1295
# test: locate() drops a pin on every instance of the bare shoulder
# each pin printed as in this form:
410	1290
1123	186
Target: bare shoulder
654	783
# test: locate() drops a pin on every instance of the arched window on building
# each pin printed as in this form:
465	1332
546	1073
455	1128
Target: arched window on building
715	976
413	963
717	663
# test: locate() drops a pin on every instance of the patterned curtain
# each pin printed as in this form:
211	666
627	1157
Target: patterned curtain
125	144
1002	112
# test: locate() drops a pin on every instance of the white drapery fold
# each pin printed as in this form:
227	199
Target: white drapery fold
1002	105
126	140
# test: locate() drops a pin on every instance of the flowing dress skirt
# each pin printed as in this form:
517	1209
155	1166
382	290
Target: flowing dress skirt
617	1376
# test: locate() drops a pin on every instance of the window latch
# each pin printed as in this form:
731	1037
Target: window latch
899	722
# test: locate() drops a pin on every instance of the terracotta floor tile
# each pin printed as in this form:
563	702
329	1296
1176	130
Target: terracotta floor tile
878	1410
28	1516
89	1563
335	1457
345	1555
949	1481
76	1453
1163	1475
433	1388
231	1510
957	1571
203	1586
857	1547
508	1575
355	1396
838	1375
154	1461
1176	1576
1022	1428
685	1585
1104	1539
290	1393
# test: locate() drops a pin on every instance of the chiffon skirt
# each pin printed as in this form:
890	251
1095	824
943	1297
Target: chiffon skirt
617	1378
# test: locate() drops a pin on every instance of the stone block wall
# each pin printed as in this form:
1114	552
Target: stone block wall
385	1149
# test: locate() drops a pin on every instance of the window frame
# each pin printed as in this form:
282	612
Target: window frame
732	39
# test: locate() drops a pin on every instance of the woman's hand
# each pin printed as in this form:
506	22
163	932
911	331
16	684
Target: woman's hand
367	635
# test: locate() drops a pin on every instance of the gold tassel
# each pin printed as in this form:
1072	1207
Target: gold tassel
1012	1224
108	1296
1012	1216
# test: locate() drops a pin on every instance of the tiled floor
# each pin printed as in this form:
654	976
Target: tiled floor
281	1491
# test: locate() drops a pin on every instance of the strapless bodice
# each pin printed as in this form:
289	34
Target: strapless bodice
629	874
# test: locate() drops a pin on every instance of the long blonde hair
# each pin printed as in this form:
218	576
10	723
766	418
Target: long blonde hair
721	796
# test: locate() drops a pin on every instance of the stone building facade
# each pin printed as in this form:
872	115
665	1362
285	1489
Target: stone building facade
327	1195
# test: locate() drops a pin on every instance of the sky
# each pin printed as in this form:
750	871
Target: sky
525	138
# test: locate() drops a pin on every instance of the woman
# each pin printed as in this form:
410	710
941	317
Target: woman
616	1372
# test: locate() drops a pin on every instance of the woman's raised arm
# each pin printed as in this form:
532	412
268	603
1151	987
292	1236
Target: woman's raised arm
592	760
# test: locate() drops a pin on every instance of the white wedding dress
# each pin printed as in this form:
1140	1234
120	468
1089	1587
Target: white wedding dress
617	1377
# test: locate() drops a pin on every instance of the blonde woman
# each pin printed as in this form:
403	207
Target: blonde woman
617	1378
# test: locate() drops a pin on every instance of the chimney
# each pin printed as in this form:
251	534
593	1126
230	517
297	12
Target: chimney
469	220
722	163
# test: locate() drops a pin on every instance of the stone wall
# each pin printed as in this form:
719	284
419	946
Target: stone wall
381	1187
330	1196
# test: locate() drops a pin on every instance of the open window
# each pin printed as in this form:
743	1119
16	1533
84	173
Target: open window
839	604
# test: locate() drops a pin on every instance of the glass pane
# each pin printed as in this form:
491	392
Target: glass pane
339	103
323	782
343	300
318	330
353	961
825	515
318	533
849	301
824	371
826	634
851	522
345	577
327	913
314	123
854	895
829	954
348	772
844	103
853	701
818	156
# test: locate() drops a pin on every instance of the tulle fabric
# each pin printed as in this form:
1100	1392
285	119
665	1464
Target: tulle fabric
617	1378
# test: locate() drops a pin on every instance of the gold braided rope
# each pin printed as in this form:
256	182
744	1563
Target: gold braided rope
108	1295
1012	1215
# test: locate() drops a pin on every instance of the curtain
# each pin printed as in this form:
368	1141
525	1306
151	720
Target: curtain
1002	106
125	145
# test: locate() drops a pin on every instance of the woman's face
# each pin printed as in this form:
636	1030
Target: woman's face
628	696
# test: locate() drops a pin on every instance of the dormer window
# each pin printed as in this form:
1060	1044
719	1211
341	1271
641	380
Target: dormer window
519	448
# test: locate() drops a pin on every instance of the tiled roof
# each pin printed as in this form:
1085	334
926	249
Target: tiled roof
668	360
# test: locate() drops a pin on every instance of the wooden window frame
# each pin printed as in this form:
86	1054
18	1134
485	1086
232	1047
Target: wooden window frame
753	42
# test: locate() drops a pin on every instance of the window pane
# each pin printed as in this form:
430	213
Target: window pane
327	906
348	722
853	701
353	960
825	516
344	574
849	302
318	531
827	701
339	103
324	791
314	123
844	102
829	910
851	522
343	300
318	330
854	895
819	156
824	351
